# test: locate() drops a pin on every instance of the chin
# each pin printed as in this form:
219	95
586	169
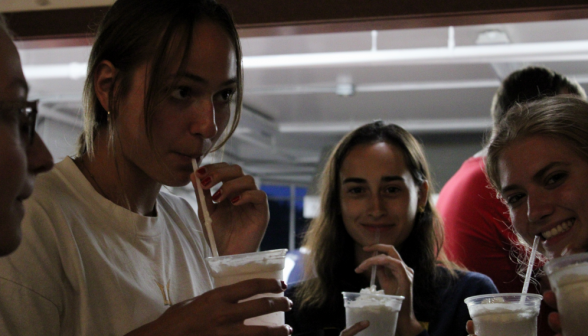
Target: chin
9	241
177	182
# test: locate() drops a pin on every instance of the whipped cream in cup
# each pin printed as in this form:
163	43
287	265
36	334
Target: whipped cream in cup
504	314
375	306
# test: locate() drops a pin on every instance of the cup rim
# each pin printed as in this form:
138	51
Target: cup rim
558	263
473	298
273	254
397	297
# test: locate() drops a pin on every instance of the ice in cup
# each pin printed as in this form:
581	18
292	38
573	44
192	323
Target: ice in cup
380	309
508	314
228	270
568	277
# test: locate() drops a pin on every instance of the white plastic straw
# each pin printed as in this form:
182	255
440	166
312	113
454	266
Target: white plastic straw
207	219
374	267
530	267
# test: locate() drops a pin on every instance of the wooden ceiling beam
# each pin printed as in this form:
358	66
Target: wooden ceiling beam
272	17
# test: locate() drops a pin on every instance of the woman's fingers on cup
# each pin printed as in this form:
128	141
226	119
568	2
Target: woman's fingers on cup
554	322
261	306
248	288
470	327
354	329
549	298
283	330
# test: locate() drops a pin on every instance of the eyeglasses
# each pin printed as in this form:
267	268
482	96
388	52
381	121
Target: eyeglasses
25	113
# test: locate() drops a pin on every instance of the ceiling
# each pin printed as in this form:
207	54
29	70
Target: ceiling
437	80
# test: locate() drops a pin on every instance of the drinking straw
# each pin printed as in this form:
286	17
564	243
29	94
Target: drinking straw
530	267
374	267
202	204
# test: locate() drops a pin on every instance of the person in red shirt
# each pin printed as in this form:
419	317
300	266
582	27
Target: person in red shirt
478	230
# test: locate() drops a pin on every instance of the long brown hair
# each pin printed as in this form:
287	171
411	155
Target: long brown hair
331	257
137	31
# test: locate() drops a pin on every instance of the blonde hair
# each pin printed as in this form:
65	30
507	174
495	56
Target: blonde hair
564	116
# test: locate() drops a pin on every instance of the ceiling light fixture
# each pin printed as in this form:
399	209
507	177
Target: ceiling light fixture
527	52
520	52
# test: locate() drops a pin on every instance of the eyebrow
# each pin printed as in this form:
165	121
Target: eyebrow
383	179
537	176
200	80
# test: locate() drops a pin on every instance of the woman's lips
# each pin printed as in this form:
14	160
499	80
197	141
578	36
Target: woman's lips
558	230
557	235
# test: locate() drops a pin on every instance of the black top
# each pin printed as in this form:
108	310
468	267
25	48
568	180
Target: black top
449	319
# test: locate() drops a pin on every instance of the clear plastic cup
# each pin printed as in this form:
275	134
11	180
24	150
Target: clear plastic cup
381	310
228	270
504	314
568	277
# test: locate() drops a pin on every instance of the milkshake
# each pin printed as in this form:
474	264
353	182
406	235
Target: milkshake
380	309
228	270
569	280
512	314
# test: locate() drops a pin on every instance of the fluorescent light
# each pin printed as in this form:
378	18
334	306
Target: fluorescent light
376	87
72	70
413	126
528	52
520	52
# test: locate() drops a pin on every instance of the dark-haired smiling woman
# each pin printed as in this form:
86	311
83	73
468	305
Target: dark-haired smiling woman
23	154
377	179
104	251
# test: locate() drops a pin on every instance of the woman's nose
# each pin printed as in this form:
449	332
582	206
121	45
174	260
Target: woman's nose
376	209
204	120
539	207
38	157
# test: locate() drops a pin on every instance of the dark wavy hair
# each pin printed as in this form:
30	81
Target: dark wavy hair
529	84
331	249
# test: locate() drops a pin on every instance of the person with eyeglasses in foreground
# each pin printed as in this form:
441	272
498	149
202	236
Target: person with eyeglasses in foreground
23	154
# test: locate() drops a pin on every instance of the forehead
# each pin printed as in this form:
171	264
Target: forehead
522	159
374	160
12	82
210	52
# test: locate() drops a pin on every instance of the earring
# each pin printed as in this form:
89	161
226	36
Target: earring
421	209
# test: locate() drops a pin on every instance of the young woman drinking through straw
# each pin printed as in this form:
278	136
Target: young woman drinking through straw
104	250
377	180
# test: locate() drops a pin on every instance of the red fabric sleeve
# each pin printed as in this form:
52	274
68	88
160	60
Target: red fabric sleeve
478	232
